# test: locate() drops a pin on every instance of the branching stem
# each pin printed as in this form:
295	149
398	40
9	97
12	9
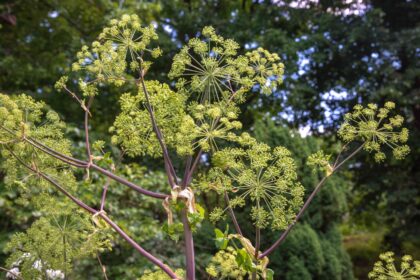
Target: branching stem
88	151
193	167
173	181
83	164
232	215
172	178
101	214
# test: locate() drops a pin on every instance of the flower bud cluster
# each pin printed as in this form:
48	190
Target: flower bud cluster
205	125
376	128
385	268
266	177
133	128
223	265
211	68
267	69
120	47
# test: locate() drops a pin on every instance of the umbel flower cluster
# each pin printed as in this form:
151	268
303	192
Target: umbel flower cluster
224	266
212	69
193	126
119	47
385	268
377	128
264	176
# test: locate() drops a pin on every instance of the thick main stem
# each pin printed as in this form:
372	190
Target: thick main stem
189	246
257	249
172	178
188	235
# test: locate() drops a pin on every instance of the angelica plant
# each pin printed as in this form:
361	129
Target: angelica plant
193	126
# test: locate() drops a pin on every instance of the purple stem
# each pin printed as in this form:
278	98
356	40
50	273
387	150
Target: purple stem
168	163
189	246
170	171
53	182
83	164
41	146
105	172
57	155
194	166
186	171
232	215
188	236
136	246
128	183
87	109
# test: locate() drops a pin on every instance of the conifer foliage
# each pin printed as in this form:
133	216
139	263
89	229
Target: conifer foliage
193	120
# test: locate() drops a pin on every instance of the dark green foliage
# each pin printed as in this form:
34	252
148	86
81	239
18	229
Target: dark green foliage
296	270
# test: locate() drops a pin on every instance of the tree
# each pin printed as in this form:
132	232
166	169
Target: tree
197	123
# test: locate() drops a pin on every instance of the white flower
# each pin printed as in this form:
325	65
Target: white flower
37	265
55	274
19	261
13	273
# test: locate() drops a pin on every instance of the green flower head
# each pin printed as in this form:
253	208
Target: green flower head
224	265
376	128
267	69
211	68
385	268
205	126
133	129
267	177
21	117
119	46
321	161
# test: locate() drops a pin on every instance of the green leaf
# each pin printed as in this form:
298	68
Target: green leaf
244	260
219	233
200	210
269	274
221	239
173	230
